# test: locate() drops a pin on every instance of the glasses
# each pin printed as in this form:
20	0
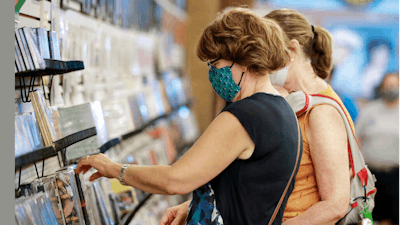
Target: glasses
211	67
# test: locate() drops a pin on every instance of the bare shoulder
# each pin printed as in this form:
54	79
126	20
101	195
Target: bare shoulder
324	114
324	119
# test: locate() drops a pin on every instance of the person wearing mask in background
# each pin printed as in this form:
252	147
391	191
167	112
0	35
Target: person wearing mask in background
243	163
377	130
322	187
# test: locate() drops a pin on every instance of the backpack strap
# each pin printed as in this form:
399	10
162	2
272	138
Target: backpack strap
298	158
301	102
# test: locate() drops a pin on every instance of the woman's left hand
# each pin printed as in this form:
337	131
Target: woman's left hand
105	166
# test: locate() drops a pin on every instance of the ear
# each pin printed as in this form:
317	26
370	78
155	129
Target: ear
244	68
295	48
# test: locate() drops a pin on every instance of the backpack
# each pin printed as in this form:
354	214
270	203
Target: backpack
362	186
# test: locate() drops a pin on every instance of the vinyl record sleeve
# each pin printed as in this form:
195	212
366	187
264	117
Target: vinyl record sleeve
31	40
29	52
18	57
24	49
118	117
54	46
74	119
105	217
43	42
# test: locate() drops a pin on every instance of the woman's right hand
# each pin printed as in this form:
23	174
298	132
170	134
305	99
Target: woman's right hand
175	215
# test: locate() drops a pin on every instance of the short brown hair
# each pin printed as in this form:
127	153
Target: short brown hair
240	35
317	44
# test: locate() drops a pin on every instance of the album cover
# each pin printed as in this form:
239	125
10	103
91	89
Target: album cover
44	122
135	111
24	49
33	47
74	119
55	117
68	191
54	46
26	39
104	215
110	9
27	127
18	57
43	42
118	117
93	202
33	124
141	98
23	135
45	209
19	46
54	190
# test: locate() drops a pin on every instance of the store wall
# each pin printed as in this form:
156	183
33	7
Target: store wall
201	13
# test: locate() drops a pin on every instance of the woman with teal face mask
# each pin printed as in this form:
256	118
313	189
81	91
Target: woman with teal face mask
240	170
241	53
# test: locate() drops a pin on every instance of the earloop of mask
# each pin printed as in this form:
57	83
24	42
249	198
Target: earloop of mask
241	79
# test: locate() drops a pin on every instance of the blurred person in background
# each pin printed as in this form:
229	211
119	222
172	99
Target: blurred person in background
374	71
347	60
322	187
377	130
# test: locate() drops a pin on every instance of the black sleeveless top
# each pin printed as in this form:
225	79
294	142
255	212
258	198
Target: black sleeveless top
247	191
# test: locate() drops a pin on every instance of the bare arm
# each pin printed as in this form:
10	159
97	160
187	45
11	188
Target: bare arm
219	104
224	141
328	146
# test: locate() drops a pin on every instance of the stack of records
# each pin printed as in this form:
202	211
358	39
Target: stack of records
23	136
100	209
27	135
35	209
43	117
67	197
55	116
32	46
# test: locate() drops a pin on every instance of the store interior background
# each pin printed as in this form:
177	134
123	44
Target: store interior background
154	37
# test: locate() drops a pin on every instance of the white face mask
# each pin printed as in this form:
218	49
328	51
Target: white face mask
278	78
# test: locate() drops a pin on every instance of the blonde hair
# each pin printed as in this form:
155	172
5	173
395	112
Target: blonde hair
316	45
240	35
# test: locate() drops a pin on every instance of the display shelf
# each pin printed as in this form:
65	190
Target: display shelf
74	138
109	144
54	67
128	217
34	156
69	140
151	122
50	151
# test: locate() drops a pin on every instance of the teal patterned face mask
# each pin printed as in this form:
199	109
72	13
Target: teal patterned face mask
222	81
